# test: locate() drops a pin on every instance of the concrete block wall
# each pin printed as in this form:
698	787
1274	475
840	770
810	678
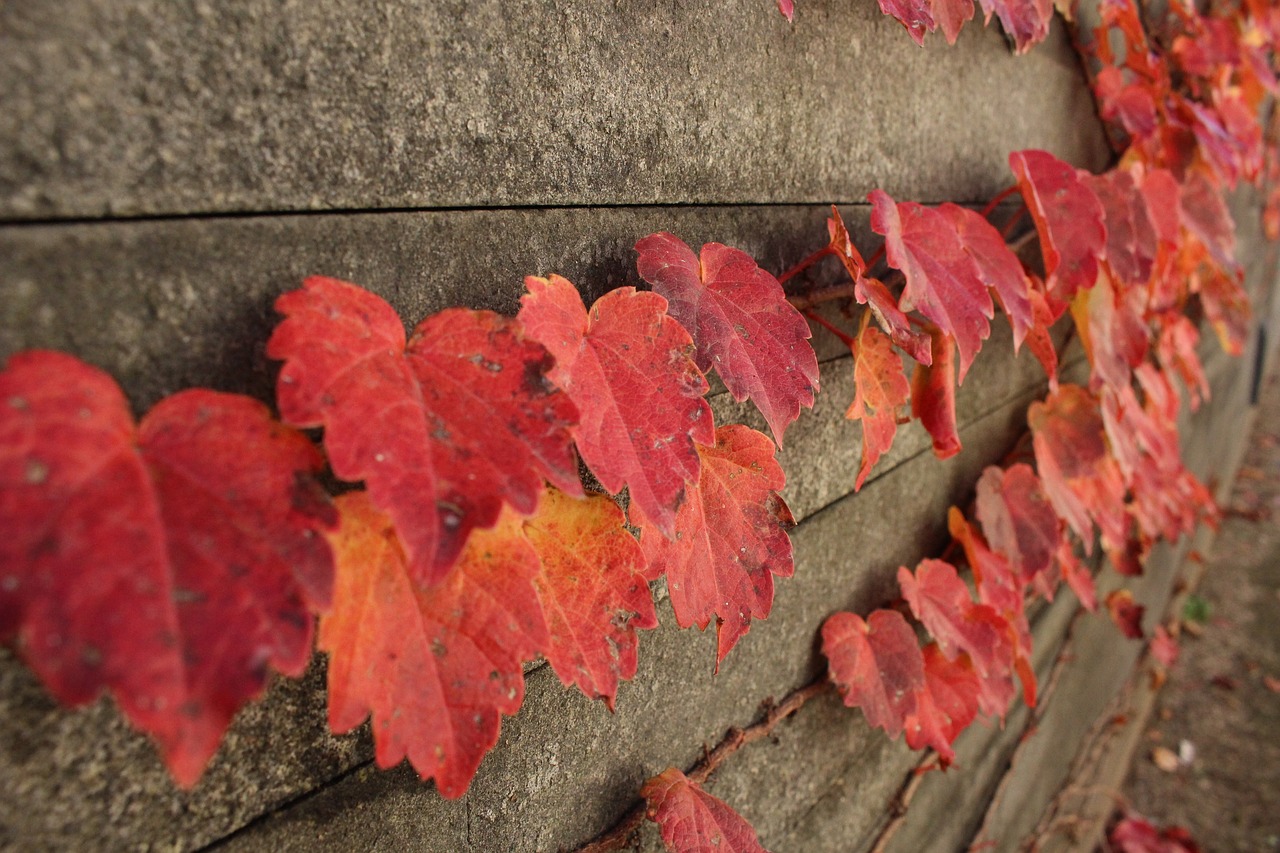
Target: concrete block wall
167	170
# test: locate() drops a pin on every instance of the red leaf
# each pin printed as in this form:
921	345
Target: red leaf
1039	341
1115	335
950	16
1164	648
174	564
880	388
1227	306
1132	104
1081	479
915	15
998	267
943	282
435	667
1126	613
933	396
1176	350
1018	520
841	245
1068	217
741	323
443	430
1135	835
945	706
1131	235
1026	21
593	588
731	538
1205	215
693	821
876	664
629	369
787	8
1077	576
873	293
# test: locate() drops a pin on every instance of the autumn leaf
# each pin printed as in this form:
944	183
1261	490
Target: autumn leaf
945	706
1205	215
593	588
174	564
628	367
880	389
1164	648
787	8
1132	240
731	538
1227	306
1018	520
933	395
884	307
1126	613
1039	339
998	267
444	429
1176	350
1025	21
741	322
915	15
1113	330
693	821
434	667
1069	219
943	282
876	664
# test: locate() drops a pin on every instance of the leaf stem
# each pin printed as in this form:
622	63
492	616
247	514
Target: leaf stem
804	265
822	321
801	301
1000	196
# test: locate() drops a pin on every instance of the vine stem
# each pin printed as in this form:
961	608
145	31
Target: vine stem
1000	196
805	264
822	321
620	834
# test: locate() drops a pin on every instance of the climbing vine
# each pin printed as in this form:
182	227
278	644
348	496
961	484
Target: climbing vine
177	561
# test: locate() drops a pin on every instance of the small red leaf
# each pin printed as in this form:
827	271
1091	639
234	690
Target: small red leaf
1039	341
593	588
434	667
1164	648
1068	216
1126	613
872	293
741	322
945	706
933	395
1026	21
628	366
731	538
1205	215
693	821
880	388
915	15
943	282
876	664
174	564
1227	306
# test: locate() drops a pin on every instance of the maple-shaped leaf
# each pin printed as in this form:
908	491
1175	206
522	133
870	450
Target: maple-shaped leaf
998	267
731	538
693	821
1132	239
1017	519
945	706
741	322
1069	219
961	626
593	588
1126	613
1025	21
174	563
933	395
628	366
943	282
443	429
876	664
435	667
1079	474
880	388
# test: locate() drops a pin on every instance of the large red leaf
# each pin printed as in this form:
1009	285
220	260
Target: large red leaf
434	667
174	564
943	281
741	322
876	664
731	538
881	388
933	396
998	267
628	366
946	705
443	430
1068	216
1080	477
594	591
693	821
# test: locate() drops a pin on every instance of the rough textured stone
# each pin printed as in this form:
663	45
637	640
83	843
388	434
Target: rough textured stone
151	107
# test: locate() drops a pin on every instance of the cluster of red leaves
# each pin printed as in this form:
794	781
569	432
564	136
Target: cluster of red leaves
1025	21
176	563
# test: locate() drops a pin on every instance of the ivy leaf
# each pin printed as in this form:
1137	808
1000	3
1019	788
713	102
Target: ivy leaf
443	429
915	15
593	588
876	664
693	821
741	324
1068	216
1126	613
1132	240
998	267
1039	340
1025	21
1080	477
880	388
1115	334
943	282
628	366
933	395
174	564
1018	520
1227	306
884	307
731	538
434	667
787	8
945	706
1176	350
1205	215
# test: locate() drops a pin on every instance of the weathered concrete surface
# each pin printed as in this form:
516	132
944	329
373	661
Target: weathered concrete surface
154	107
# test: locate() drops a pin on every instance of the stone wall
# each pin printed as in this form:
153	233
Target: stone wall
167	169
